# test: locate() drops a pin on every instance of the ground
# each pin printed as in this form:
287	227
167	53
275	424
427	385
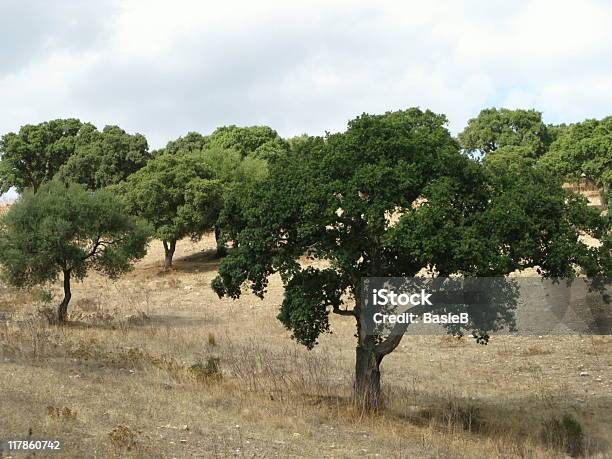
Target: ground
155	365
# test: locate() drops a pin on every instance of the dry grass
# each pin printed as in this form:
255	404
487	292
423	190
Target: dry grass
155	365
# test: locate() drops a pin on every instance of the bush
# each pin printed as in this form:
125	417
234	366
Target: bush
564	434
208	371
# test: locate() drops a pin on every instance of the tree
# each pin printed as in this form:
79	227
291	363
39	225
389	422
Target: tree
33	156
493	129
584	150
68	231
261	141
103	158
192	142
236	175
178	194
455	215
509	154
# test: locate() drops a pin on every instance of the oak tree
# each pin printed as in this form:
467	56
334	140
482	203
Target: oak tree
178	195
32	156
68	231
495	128
584	150
454	216
104	158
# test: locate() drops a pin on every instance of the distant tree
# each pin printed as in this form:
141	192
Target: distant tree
495	128
69	231
332	203
584	150
34	155
254	140
237	175
192	142
509	154
178	194
103	158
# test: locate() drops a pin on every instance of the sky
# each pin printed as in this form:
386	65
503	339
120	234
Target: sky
165	68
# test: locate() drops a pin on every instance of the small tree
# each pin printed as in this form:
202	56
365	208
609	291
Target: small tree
178	194
332	202
68	231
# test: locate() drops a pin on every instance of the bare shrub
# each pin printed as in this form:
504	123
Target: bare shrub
123	437
61	414
209	371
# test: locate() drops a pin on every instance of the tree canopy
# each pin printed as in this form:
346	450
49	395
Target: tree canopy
584	150
103	158
74	151
68	230
192	142
333	202
260	141
35	154
495	128
178	194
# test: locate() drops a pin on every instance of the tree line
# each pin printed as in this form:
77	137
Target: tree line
486	203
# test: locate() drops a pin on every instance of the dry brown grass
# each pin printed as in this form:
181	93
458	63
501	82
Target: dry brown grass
155	365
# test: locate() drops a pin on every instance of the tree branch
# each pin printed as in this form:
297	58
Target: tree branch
93	250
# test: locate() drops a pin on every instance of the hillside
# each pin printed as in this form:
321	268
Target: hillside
156	364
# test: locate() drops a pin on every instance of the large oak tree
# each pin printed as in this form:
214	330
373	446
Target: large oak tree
333	202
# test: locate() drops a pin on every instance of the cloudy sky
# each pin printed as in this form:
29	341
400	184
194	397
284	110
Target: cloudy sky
164	68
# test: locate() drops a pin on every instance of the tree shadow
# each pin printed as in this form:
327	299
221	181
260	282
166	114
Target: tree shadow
199	262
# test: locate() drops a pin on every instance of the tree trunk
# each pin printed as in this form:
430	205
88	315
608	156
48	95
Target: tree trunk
169	247
367	379
62	308
221	250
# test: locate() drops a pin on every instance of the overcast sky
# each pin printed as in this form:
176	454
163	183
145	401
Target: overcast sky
163	68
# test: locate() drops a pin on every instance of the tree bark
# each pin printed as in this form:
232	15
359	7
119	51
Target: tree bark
369	354
367	379
221	250
169	248
62	309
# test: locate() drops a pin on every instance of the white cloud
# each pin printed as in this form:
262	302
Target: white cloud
163	68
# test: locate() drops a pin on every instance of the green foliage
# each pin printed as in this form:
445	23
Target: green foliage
192	142
584	150
33	156
177	193
68	229
504	157
229	167
333	202
103	158
495	128
261	141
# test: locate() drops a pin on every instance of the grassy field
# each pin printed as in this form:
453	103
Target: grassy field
155	365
